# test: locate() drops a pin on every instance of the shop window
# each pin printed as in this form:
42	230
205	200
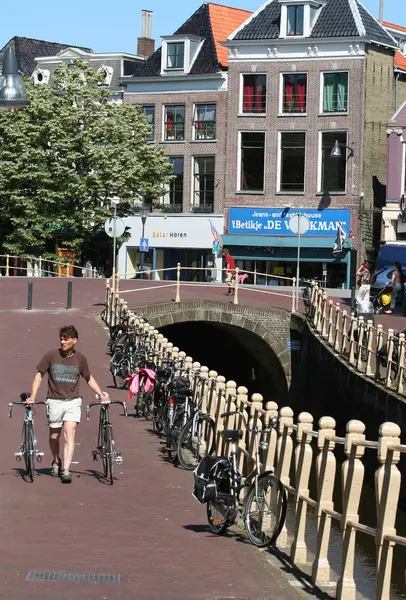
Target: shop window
174	197
295	20
204	122
149	112
335	92
333	169
252	152
203	184
174	122
294	93
292	162
175	57
254	94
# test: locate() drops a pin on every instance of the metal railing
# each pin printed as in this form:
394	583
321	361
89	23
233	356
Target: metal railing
370	350
298	452
33	266
155	275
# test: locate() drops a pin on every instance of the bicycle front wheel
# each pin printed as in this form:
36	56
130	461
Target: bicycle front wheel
123	371
108	449
196	440
265	510
29	452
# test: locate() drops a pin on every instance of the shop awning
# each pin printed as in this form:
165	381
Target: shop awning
279	241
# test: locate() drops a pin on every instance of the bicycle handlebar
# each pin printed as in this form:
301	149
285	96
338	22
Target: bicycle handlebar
21	403
105	405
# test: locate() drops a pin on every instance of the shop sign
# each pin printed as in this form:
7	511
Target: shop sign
168	234
275	221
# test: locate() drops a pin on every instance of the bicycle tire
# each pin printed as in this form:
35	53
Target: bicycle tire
217	524
148	408
108	453
119	379
189	450
276	506
139	399
29	452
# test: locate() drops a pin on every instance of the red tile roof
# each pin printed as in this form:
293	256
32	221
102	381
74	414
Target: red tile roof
400	60
393	26
224	20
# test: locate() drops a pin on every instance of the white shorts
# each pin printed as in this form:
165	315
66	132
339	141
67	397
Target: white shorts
60	411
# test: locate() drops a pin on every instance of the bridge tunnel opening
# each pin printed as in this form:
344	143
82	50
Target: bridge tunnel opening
236	353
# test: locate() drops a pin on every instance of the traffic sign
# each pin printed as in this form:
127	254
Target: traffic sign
144	245
216	248
299	224
114	227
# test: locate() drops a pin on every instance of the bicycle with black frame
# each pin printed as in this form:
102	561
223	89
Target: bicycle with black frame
106	448
219	483
28	444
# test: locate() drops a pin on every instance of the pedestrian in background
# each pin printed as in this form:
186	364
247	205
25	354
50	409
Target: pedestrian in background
364	284
398	279
230	270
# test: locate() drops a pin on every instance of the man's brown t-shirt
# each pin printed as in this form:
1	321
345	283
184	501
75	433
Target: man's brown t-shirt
63	373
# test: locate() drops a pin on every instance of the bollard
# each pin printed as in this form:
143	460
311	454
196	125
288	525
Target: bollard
69	298
29	303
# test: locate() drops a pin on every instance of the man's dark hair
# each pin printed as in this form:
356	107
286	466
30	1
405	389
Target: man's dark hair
69	331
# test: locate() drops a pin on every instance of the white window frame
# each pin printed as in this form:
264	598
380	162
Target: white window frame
238	186
321	104
187	60
320	165
192	178
279	164
193	122
165	199
281	87
241	96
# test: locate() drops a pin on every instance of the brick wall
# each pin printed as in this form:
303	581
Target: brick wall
312	123
190	148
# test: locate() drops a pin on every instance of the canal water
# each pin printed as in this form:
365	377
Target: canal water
221	350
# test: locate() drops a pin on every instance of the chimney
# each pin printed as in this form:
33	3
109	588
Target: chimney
146	45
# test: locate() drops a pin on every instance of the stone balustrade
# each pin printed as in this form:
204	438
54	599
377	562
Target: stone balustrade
301	451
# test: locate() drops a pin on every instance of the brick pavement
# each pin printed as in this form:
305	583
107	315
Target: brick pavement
146	528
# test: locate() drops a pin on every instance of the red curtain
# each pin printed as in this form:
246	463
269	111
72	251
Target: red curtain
259	105
248	94
169	122
288	93
301	96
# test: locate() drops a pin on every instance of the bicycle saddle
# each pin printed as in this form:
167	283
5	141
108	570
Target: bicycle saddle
232	435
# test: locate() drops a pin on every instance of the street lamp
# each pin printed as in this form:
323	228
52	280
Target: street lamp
144	212
12	89
336	150
114	203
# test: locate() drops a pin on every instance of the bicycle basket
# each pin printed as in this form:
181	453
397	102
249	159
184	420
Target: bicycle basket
210	478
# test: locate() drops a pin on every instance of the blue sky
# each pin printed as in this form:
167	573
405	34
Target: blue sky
108	26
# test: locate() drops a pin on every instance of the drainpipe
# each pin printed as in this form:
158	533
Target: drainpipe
396	91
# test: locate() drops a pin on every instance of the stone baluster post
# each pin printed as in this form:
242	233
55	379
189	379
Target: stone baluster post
169	350
331	323
389	358
337	332
369	352
107	303
303	464
316	303
352	478
324	329
326	470
360	344
188	362
271	411
387	489
378	345
344	331
401	365
284	457
255	420
352	339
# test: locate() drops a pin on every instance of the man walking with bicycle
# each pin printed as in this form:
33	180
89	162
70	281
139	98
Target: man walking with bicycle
64	366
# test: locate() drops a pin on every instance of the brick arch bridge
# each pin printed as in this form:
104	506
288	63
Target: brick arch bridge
266	333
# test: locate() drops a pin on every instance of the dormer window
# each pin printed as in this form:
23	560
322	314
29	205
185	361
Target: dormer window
179	53
295	24
175	55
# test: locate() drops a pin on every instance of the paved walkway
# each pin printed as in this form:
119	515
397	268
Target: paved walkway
147	529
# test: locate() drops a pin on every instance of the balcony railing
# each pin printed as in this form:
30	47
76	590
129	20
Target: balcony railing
205	130
203	208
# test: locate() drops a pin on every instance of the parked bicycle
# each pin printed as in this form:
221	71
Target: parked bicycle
219	483
27	448
106	448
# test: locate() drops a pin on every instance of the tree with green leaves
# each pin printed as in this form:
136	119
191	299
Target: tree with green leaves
65	157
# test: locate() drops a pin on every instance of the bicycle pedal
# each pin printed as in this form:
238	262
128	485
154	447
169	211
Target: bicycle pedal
18	456
39	456
119	460
94	454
